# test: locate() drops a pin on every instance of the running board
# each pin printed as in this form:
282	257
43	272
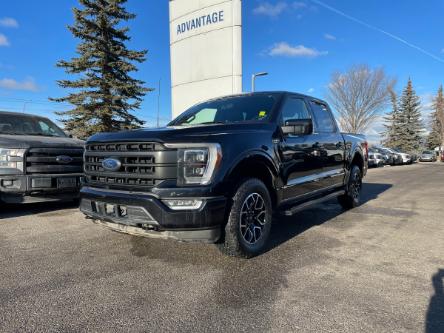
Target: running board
298	208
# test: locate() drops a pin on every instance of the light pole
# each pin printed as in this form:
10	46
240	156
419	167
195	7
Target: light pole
253	79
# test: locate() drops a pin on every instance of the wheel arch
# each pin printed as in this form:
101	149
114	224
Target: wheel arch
253	165
356	158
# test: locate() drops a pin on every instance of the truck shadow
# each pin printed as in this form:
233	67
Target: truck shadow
19	210
435	312
285	228
290	227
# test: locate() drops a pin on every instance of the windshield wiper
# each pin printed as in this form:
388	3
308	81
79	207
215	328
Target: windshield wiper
212	122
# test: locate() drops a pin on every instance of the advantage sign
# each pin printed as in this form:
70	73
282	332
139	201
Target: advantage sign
201	21
206	50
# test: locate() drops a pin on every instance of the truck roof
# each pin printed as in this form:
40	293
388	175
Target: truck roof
20	114
279	92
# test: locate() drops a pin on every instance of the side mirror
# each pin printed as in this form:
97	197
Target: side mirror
297	127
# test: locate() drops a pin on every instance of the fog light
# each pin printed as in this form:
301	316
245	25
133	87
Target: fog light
183	204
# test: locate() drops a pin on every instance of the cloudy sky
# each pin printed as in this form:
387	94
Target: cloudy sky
300	43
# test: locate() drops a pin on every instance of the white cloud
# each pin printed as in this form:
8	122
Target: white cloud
8	22
329	37
27	85
4	40
269	9
287	50
311	90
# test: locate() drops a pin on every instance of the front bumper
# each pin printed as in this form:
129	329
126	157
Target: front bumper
144	214
39	187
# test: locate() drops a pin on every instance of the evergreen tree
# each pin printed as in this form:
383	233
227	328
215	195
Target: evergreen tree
102	91
436	136
410	120
392	123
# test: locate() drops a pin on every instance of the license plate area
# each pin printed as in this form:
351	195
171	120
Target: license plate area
67	182
111	210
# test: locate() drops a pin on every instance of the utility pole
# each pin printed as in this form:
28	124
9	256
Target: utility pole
158	105
24	106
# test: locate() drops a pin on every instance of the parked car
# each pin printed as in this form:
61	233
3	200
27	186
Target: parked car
387	157
218	172
393	157
38	161
406	158
428	156
375	160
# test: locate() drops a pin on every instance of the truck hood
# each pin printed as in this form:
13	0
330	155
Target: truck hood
31	141
182	133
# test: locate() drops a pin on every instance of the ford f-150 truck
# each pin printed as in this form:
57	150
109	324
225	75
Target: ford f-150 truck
219	171
38	161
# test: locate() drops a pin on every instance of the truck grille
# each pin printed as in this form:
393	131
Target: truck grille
142	164
54	160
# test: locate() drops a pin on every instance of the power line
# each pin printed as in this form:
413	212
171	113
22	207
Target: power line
397	38
32	101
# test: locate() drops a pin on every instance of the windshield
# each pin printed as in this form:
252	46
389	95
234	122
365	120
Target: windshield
27	125
427	152
256	108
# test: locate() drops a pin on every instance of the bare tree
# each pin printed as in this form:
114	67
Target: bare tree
359	95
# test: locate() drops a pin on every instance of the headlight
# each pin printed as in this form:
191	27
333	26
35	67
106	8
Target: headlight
197	162
11	159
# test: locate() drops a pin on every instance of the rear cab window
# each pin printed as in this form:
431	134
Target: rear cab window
324	122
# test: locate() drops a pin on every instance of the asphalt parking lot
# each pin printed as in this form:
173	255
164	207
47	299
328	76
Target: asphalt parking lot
378	268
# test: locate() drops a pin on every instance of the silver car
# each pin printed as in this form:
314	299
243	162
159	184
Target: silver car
428	156
375	160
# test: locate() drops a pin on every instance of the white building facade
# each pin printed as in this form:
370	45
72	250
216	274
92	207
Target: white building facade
206	50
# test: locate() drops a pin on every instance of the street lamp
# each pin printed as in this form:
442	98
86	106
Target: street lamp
253	79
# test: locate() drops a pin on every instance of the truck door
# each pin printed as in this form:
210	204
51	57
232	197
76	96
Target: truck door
300	164
331	145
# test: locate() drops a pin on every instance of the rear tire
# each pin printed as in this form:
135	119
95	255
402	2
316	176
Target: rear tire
352	197
249	222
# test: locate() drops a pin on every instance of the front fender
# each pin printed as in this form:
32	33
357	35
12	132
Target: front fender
251	155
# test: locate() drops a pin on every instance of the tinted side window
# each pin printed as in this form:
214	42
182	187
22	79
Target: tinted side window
295	108
324	121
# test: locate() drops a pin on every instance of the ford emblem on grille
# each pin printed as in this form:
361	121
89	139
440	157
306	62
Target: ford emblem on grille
111	164
63	159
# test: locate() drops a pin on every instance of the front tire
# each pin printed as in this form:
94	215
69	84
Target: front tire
249	222
352	197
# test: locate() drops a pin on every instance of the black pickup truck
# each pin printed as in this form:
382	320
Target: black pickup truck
38	161
218	172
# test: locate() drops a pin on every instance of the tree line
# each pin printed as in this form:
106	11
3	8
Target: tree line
361	94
